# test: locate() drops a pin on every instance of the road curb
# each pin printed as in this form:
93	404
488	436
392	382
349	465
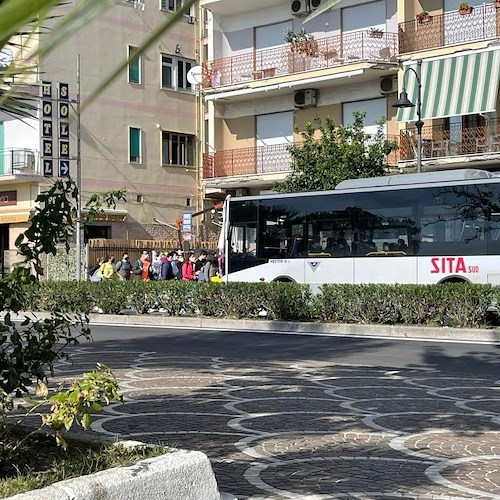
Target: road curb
396	331
337	329
177	475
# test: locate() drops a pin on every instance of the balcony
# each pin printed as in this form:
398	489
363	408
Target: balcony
450	28
16	161
258	160
289	59
440	142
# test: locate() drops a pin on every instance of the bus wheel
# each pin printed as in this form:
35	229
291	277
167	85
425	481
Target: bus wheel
453	280
283	279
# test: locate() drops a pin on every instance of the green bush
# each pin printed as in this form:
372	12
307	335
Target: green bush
454	304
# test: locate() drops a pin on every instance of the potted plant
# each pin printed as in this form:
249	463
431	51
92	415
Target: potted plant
302	42
464	8
423	17
377	32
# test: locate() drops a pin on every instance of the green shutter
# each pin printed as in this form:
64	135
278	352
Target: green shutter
134	145
134	68
454	86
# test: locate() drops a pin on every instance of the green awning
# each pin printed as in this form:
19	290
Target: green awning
453	86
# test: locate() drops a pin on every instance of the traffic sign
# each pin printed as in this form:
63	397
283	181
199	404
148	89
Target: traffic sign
187	222
63	168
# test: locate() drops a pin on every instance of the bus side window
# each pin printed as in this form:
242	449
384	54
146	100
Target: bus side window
244	240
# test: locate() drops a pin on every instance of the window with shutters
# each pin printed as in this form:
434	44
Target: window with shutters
134	145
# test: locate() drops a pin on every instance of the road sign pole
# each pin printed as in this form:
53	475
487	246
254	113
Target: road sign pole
78	176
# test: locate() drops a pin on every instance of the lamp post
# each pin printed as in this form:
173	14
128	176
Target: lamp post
404	102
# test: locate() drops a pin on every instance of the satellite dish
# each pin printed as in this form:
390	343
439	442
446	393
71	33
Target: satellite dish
195	75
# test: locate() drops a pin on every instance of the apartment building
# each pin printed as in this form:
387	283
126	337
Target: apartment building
139	134
260	83
459	76
259	87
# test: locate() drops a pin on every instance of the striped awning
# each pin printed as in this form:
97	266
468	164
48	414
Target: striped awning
453	86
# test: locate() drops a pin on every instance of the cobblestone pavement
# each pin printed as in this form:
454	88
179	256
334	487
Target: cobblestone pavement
276	430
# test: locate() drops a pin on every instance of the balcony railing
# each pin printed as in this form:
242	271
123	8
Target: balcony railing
258	160
455	140
14	161
450	28
294	58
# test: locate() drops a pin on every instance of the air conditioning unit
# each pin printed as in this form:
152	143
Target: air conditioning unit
389	85
300	8
306	98
241	192
314	4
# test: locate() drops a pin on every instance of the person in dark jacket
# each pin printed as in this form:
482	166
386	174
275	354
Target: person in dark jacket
166	271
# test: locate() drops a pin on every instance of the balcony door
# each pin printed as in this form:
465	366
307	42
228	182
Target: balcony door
274	132
375	109
270	50
357	22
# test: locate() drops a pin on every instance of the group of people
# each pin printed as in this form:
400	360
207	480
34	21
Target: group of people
164	266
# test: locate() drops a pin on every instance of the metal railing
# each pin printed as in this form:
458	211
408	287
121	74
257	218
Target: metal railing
439	141
449	28
16	161
259	160
293	58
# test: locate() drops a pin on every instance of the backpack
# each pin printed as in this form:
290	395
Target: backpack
137	269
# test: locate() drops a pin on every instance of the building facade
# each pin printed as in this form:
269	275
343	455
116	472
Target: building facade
139	134
268	70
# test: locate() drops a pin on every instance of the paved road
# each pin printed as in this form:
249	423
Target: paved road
307	417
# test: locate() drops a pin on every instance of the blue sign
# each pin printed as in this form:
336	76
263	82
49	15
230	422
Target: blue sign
63	168
48	168
187	222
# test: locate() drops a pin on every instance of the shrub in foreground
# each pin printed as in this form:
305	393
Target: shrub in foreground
454	304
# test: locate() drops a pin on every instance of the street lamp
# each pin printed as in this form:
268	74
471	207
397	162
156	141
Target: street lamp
404	102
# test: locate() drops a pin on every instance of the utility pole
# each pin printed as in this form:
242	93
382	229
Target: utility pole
78	176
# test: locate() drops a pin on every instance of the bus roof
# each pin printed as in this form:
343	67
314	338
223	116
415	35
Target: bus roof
441	176
468	175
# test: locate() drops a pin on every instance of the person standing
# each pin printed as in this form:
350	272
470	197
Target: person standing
188	268
166	271
199	264
146	262
108	269
124	268
210	269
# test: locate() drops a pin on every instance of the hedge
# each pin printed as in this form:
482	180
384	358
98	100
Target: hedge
454	304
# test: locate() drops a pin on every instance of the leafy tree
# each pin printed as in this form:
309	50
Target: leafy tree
342	152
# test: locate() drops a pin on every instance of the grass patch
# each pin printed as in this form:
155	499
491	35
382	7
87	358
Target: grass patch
39	462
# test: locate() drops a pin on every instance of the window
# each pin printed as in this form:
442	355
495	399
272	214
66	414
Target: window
134	145
134	67
171	5
177	149
174	72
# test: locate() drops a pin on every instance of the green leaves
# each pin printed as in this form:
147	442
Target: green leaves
340	153
96	389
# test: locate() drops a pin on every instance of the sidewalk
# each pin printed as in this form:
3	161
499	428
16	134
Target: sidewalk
491	335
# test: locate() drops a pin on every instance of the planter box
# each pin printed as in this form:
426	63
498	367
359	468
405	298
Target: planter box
179	475
463	12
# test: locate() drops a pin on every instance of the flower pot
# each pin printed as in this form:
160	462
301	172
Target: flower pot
376	34
306	47
424	20
496	4
464	12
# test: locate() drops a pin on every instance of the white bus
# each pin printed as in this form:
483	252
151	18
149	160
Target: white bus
415	228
